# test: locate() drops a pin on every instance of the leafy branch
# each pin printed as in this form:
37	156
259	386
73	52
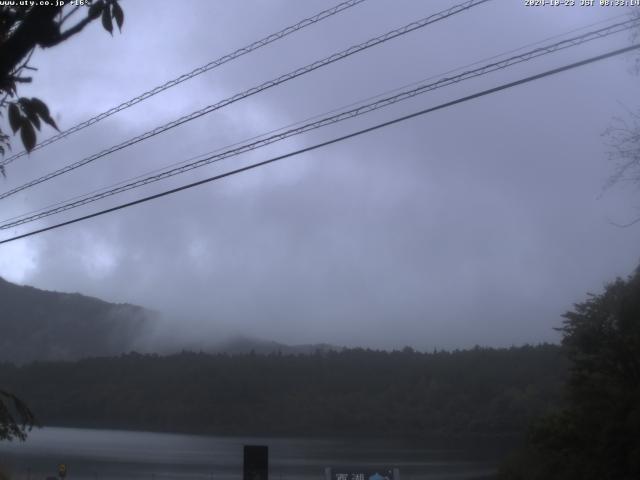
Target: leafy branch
19	416
24	28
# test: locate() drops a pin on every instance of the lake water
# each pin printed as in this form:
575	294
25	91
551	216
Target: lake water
107	454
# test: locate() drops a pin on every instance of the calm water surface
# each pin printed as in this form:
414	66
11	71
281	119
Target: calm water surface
107	454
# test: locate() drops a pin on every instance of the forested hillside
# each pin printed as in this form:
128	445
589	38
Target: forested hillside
41	325
364	392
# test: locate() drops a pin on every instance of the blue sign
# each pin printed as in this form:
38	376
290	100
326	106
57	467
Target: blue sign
368	473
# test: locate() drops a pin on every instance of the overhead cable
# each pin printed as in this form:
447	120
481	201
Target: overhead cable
330	142
252	91
352	113
193	73
317	116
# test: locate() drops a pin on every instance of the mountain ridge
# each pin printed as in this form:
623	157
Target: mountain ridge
38	324
47	325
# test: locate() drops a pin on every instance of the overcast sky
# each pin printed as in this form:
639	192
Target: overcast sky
478	224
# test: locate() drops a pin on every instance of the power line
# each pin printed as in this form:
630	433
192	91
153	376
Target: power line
334	110
194	73
252	91
361	110
85	199
300	122
332	141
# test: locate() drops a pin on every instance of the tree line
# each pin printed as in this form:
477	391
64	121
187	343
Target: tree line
349	392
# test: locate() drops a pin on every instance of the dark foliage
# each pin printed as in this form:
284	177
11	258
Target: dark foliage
24	27
597	435
19	417
478	391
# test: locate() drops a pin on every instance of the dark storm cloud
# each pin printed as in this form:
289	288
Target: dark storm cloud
478	224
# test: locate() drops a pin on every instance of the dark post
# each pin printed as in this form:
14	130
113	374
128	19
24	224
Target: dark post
256	462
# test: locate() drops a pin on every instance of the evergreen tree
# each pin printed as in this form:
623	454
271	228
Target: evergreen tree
597	435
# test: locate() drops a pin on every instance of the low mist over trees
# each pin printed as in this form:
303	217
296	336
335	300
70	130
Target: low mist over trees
361	392
41	325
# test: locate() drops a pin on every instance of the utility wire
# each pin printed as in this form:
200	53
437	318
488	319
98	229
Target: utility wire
314	117
361	110
252	91
194	73
332	141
